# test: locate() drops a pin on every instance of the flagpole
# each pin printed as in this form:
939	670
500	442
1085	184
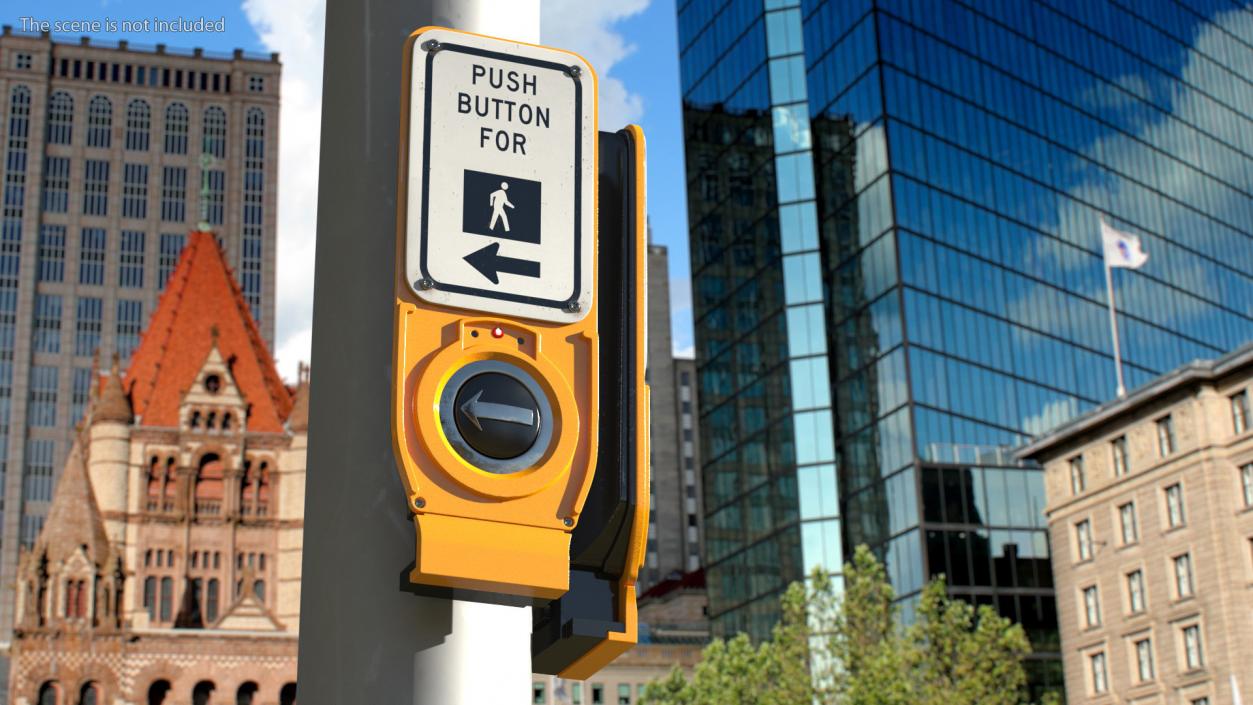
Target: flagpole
1113	328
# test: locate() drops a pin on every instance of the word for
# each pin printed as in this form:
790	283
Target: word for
108	24
503	110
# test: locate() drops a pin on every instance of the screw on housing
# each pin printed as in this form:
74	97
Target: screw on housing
419	502
425	284
574	72
572	306
431	45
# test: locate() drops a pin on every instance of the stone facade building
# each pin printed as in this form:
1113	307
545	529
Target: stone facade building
676	519
112	153
168	570
1150	512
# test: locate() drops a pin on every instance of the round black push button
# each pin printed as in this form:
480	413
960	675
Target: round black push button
497	415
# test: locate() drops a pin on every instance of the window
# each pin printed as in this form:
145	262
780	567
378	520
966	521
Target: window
1183	575
256	84
43	396
174	194
130	320
88	325
51	253
167	598
176	129
1092	606
538	696
1193	658
80	393
1240	412
171	248
91	256
1130	526
46	332
1083	535
60	118
215	196
624	694
576	694
1100	679
258	589
138	124
95	187
56	192
598	694
1144	659
37	479
135	191
251	240
1200	701
1165	436
1135	591
131	265
22	61
1118	449
1174	505
150	594
99	122
215	132
1078	479
212	599
1246	484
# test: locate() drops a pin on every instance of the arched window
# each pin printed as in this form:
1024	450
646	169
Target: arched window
99	122
167	599
226	421
75	599
246	693
50	693
89	694
209	485
138	124
254	496
157	692
176	129
202	692
215	132
156	480
211	601
211	420
287	696
195	419
258	589
170	488
60	118
150	597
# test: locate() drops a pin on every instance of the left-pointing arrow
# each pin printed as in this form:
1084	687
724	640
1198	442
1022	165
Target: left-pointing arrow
475	410
490	263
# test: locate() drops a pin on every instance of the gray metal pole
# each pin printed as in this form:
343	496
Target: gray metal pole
363	638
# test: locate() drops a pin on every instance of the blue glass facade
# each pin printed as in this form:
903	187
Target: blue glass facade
898	283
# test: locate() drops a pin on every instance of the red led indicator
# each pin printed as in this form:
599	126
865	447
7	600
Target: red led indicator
497	332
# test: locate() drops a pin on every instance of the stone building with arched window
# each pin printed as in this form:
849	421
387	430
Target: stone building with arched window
168	570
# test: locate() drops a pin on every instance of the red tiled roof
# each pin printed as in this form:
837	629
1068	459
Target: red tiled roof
202	301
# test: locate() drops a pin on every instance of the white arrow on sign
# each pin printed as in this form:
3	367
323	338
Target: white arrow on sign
501	177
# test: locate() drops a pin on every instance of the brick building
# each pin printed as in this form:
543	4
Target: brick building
168	570
1150	512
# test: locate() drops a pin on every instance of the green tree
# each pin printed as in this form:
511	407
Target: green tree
847	647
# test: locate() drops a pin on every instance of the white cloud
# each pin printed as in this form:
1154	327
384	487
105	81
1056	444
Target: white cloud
295	28
586	28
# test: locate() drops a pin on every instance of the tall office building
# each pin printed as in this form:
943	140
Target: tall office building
112	154
897	272
675	517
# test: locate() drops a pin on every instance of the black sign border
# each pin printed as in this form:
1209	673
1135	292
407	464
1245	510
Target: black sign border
561	304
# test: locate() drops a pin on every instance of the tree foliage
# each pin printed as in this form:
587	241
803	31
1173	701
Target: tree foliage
840	641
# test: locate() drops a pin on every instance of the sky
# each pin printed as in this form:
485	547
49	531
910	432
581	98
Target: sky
632	44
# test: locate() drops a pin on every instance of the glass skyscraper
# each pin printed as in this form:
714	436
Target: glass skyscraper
897	271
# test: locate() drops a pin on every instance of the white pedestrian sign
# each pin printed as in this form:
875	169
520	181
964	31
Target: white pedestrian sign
500	200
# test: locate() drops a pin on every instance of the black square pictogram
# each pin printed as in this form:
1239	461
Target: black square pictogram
501	206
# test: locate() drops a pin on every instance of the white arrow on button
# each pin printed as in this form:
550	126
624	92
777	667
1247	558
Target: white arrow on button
475	409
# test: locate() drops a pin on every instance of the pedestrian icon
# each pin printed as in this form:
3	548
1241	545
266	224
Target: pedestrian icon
500	206
500	201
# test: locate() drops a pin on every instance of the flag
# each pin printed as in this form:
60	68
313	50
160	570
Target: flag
1121	249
